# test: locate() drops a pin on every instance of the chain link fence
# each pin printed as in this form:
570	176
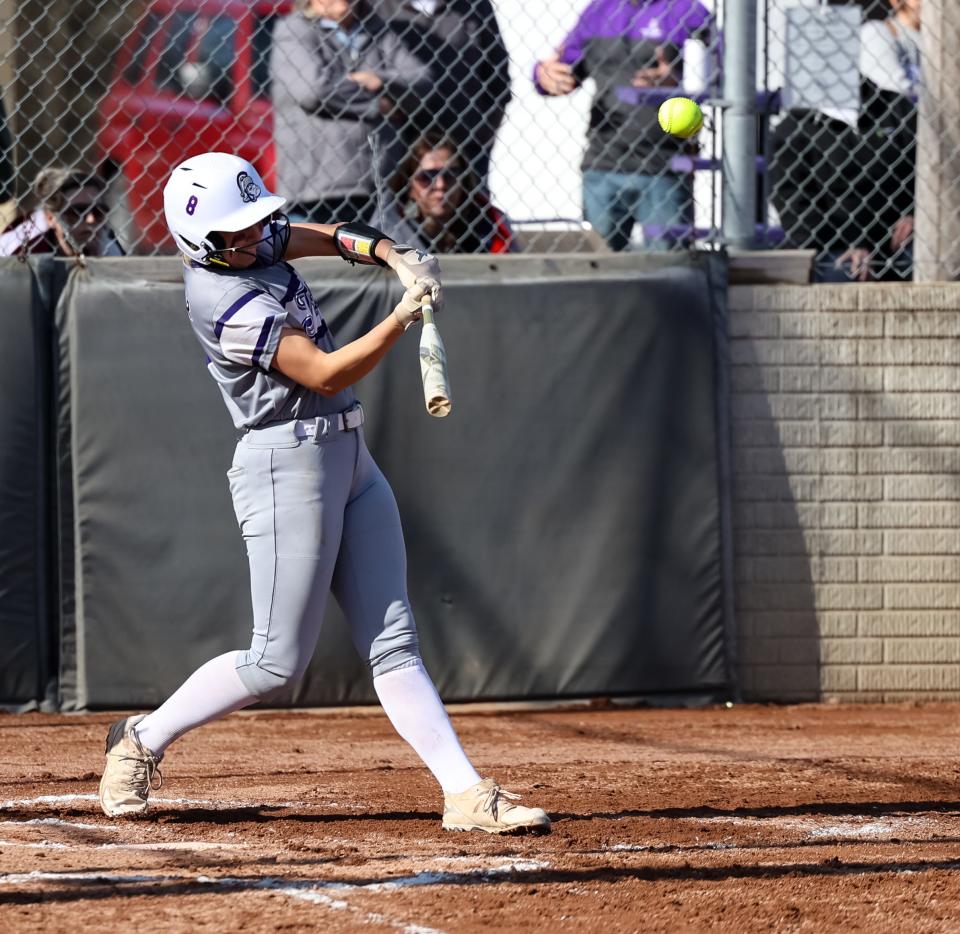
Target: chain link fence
841	149
477	126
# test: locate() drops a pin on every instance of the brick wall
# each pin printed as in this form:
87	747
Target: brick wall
846	485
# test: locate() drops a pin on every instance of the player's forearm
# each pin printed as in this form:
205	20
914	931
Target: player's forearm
330	373
318	240
352	362
310	240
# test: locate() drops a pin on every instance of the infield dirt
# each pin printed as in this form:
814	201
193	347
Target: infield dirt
808	818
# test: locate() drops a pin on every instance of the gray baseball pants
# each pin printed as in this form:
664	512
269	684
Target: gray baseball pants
317	515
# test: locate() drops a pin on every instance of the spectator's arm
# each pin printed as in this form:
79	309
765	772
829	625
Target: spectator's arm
553	77
858	260
299	72
405	74
564	70
345	98
902	231
663	74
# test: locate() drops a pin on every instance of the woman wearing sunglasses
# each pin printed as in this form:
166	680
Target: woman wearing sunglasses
440	207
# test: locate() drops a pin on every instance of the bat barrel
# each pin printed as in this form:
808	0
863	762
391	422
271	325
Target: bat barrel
433	365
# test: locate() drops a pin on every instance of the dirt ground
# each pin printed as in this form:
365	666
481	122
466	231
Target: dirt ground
812	818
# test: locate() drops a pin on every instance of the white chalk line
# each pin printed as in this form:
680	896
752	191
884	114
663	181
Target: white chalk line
443	878
885	827
38	875
55	845
43	799
314	892
187	845
57	822
65	799
647	847
852	827
39	845
220	805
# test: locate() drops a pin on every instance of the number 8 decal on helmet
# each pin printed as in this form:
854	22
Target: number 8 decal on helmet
192	205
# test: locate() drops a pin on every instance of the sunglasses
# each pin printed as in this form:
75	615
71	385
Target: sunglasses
427	177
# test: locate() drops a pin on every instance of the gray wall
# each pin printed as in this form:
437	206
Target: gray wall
25	544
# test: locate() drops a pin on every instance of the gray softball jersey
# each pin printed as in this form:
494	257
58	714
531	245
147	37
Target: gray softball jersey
238	315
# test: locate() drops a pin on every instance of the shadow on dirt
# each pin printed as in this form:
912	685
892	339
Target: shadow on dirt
221	816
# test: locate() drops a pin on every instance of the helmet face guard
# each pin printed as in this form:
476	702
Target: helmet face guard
275	232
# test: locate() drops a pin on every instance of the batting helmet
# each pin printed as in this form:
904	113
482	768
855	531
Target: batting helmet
211	192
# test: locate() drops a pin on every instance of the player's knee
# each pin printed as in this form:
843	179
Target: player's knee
267	681
403	656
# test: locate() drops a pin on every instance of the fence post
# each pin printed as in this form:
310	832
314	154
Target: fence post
937	217
740	123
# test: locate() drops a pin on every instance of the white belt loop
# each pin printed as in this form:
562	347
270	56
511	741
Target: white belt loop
321	428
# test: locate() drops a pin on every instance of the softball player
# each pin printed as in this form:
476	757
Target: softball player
314	509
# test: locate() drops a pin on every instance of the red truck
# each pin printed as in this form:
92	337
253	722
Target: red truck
192	77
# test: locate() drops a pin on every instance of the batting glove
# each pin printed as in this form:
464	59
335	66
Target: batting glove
410	265
408	309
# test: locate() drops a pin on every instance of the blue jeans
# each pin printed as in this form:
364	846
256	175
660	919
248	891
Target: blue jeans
614	201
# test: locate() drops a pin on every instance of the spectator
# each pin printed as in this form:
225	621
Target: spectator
627	47
890	49
71	219
337	71
842	180
440	207
890	67
461	43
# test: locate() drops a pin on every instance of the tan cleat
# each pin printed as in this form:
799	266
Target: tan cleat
487	807
129	772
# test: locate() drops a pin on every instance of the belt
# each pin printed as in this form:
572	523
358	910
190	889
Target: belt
320	425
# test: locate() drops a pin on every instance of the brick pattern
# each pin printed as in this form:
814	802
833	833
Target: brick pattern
846	490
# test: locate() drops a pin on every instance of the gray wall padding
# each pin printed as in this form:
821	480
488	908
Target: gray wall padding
564	524
27	673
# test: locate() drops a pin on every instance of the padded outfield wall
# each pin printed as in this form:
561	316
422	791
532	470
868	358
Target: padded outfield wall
567	527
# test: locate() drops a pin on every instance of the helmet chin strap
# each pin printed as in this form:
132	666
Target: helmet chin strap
217	255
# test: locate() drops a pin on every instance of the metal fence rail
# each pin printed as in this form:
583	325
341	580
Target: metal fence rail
504	125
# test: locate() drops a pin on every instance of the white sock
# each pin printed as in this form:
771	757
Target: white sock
211	692
414	707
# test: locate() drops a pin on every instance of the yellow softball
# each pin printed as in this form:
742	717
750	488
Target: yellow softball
680	116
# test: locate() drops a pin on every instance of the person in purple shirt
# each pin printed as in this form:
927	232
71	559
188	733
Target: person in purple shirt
628	46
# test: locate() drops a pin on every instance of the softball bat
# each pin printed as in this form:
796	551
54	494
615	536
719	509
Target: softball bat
433	365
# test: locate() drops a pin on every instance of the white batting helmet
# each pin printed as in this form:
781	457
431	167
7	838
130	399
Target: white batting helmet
211	192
